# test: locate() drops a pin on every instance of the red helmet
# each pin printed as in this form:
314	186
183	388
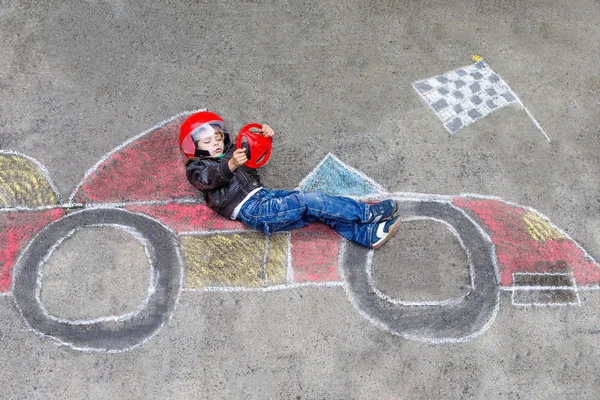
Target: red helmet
194	126
258	147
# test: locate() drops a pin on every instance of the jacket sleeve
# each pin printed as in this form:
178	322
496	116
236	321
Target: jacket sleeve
208	175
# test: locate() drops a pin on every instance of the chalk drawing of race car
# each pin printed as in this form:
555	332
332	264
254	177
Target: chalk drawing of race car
140	187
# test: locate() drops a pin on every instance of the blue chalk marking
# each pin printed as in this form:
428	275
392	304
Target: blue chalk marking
338	179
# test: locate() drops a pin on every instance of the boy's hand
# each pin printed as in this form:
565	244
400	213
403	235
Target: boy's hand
237	159
266	130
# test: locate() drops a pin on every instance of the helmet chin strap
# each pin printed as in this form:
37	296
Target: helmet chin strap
205	153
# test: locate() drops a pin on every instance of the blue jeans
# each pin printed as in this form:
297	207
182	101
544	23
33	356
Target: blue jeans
281	210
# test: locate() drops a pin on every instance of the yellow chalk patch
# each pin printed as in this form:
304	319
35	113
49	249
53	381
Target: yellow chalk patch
277	258
224	259
476	58
22	183
236	259
539	229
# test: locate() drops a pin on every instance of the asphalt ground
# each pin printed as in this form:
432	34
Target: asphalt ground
80	78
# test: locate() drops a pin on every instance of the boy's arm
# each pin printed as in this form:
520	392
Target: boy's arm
238	158
205	175
208	176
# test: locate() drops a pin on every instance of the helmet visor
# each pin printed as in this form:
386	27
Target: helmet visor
207	130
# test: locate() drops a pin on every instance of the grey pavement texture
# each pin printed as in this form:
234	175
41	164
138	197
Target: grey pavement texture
78	78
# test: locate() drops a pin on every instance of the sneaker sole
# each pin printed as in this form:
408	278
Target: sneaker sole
387	237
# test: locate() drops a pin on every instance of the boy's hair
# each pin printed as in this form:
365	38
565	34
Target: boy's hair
220	132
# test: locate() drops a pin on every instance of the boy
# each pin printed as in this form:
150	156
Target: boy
234	190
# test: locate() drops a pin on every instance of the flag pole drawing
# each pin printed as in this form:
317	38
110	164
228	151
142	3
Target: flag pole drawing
467	94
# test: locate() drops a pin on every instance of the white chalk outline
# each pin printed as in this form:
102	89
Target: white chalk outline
446	302
449	199
546	219
122	146
111	318
289	273
76	206
517	289
294	285
264	261
272	288
380	194
214	232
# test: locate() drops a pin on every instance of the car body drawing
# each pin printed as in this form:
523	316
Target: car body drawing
141	187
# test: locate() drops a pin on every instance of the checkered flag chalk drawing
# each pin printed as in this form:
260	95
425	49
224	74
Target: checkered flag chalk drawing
463	96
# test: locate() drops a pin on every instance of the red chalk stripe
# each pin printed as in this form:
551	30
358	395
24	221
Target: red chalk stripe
315	250
16	229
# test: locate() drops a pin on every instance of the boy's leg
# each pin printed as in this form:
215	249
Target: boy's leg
355	232
278	210
274	210
344	209
369	235
316	206
369	225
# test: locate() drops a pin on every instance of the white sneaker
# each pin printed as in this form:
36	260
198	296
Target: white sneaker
383	231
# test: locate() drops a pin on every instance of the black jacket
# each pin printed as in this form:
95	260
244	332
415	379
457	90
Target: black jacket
223	190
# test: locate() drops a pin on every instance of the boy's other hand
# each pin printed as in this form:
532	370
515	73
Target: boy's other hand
266	130
237	159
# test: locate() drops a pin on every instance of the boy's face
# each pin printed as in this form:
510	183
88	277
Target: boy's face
212	143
